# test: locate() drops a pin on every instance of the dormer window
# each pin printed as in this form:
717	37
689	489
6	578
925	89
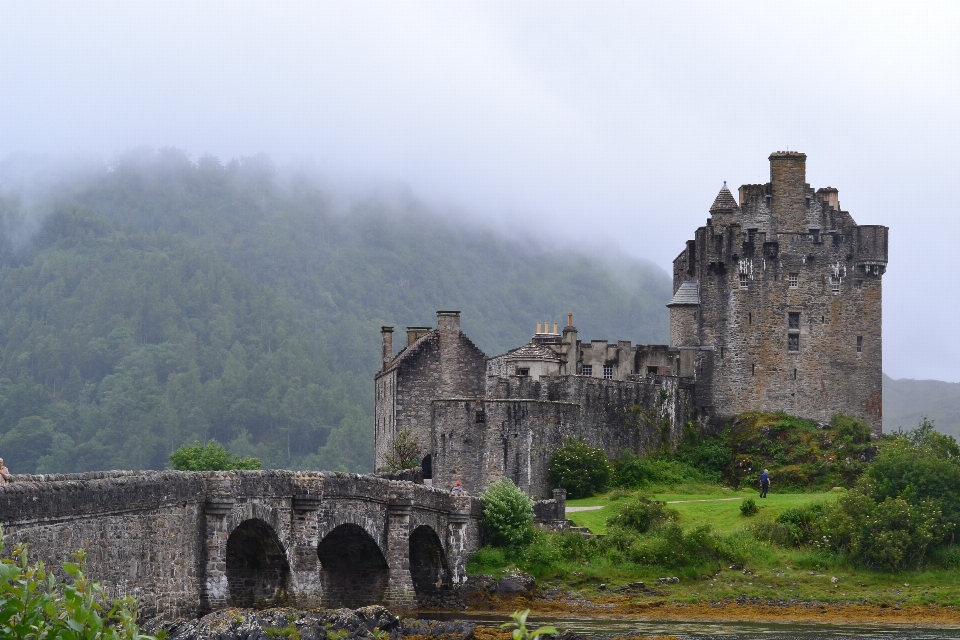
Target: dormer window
523	371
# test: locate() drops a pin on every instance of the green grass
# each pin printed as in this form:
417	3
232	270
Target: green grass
723	515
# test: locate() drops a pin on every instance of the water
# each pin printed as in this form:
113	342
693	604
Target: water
714	630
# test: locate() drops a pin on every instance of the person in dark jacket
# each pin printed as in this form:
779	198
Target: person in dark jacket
764	483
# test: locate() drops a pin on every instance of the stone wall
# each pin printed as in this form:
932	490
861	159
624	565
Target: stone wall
477	442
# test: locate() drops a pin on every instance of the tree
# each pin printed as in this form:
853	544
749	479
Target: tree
404	451
209	457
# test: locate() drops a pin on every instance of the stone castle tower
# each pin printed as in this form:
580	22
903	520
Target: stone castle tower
785	287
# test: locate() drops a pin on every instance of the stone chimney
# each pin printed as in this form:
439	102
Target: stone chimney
788	182
387	334
415	333
448	321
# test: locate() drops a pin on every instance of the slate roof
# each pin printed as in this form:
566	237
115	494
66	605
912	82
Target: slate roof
532	351
724	201
688	293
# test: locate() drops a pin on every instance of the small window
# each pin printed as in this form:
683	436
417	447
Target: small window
481	416
793	342
607	372
652	371
859	285
794	374
794	280
835	285
721	352
523	371
793	320
859	344
743	281
587	370
753	369
750	318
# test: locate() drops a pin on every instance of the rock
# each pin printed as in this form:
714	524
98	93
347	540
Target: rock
518	583
673	580
479	584
346	619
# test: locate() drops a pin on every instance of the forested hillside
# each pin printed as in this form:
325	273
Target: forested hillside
907	402
160	301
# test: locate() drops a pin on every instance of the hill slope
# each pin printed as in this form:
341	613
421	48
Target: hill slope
162	301
906	402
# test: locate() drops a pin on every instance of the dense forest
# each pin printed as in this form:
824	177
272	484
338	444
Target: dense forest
158	301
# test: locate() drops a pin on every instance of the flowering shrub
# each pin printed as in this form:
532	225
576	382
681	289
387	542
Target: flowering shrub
579	468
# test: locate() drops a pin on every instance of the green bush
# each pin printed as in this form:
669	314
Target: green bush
631	471
711	455
749	507
579	468
507	515
209	457
642	515
34	604
849	429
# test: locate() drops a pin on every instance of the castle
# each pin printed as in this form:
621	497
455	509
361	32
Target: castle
776	307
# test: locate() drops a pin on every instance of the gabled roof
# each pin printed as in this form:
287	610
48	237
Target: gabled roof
407	352
532	351
688	293
724	201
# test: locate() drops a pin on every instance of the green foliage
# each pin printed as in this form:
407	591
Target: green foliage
404	451
631	471
579	468
209	457
519	626
507	514
710	455
642	515
749	507
165	301
34	604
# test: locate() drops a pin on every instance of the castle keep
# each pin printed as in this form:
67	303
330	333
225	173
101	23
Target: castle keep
776	307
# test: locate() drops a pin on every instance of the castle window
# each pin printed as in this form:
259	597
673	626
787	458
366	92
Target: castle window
607	372
753	369
523	371
652	371
793	320
859	284
743	280
835	285
794	374
859	344
481	416
587	370
794	280
721	352
793	342
749	318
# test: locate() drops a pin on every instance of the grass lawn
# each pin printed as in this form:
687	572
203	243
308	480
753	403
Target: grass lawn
721	509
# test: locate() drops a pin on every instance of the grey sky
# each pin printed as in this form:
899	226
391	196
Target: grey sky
593	122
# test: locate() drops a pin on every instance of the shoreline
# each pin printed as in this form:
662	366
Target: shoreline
728	610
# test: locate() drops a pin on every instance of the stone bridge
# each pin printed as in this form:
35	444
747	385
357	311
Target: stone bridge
185	542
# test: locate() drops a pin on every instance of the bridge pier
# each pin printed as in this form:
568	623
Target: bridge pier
306	589
216	591
400	592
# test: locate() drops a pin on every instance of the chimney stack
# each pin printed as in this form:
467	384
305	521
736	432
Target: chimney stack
387	334
448	321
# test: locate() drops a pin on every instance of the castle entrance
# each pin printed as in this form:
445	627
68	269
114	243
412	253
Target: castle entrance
428	562
257	568
353	571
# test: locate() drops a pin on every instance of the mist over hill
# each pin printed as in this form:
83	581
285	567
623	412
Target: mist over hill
907	402
158	300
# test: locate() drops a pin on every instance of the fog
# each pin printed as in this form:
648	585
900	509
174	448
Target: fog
610	125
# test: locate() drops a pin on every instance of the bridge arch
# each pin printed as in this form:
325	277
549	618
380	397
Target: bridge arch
353	569
258	573
428	561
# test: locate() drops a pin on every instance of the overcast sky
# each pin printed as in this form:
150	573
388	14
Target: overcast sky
609	124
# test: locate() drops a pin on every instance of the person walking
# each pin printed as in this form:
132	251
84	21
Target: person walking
764	483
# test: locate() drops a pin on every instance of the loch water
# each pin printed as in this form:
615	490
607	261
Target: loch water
697	630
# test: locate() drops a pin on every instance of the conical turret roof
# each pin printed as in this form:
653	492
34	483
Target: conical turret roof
724	201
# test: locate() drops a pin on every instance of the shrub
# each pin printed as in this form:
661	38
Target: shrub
507	515
34	604
709	455
850	429
209	457
631	471
749	507
579	468
642	515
